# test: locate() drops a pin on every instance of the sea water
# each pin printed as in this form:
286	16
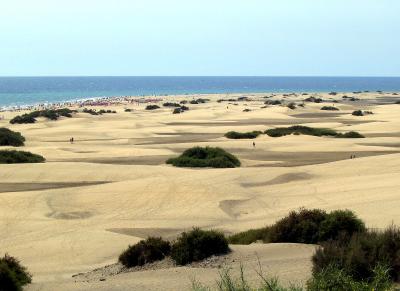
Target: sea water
15	91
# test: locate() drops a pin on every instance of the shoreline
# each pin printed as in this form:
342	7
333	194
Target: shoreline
117	100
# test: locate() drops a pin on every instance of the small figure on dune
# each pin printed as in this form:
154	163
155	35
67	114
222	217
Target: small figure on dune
71	140
254	144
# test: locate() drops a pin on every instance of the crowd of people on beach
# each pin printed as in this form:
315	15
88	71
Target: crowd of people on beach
101	101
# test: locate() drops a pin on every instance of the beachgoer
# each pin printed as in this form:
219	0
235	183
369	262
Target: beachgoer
254	144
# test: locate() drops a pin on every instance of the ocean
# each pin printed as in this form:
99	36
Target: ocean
16	91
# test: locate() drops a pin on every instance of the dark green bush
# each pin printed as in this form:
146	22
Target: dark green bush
10	138
205	157
24	118
90	111
197	245
313	99
332	278
152	107
171	104
272	102
299	129
177	110
65	112
146	251
12	274
350	134
16	157
103	111
331	108
250	236
242	135
292	105
298	227
363	252
202	100
358	113
361	113
305	226
128	110
180	109
52	114
339	223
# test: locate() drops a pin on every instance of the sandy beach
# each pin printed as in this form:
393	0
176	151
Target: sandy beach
112	188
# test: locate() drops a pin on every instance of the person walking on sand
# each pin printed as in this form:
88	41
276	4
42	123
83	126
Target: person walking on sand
71	140
254	144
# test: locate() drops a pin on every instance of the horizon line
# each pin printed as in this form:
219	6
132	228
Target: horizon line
200	76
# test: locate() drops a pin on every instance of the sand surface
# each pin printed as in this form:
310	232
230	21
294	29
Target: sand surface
109	189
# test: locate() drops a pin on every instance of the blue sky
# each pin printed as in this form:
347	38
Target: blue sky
203	37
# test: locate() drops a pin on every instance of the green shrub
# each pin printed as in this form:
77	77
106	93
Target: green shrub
299	129
298	227
358	113
52	114
313	99
152	107
305	226
90	111
10	138
177	111
292	105
16	157
128	110
103	111
197	245
205	157
171	104
180	109
146	251
272	102
250	236
242	135
24	118
363	252
332	108
333	278
350	134
361	113
339	223
12	274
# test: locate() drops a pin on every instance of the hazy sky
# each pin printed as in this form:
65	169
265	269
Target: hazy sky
200	37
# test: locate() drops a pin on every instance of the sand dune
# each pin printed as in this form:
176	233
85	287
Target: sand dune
111	188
